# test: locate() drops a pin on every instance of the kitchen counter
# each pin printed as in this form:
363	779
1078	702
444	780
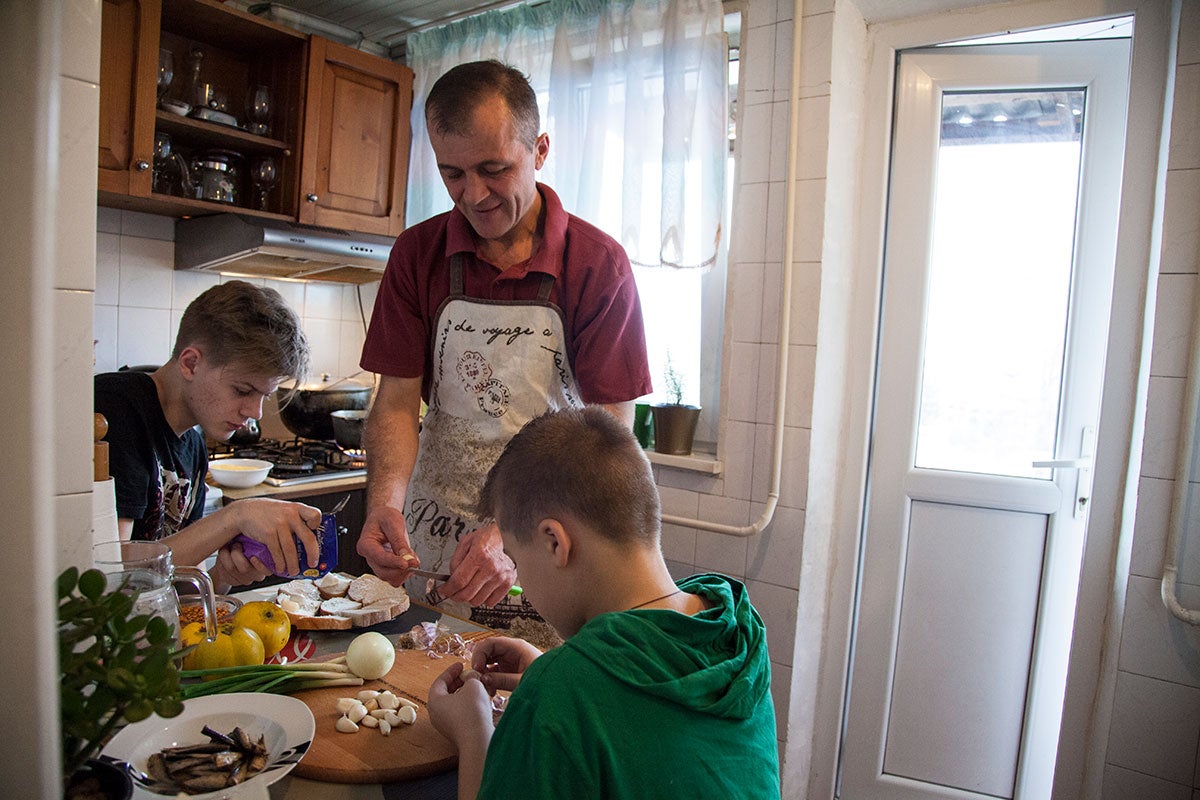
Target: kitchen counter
435	787
300	490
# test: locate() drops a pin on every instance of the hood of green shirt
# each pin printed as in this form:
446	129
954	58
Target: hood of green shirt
714	662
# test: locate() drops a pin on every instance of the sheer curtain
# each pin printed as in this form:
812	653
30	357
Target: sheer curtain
633	96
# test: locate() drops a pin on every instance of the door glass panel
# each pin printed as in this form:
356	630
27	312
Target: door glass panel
1000	279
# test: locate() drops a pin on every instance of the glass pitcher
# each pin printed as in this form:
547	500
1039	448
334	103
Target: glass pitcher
148	569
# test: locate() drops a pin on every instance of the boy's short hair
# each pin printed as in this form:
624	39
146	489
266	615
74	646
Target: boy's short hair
253	327
581	463
455	96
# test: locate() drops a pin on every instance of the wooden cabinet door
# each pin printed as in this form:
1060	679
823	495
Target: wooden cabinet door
128	78
354	167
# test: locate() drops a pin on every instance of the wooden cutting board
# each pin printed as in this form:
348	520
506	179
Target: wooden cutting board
367	756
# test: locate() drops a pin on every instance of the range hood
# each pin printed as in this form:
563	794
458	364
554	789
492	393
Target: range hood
245	245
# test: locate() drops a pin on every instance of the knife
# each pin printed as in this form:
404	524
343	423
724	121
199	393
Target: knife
515	591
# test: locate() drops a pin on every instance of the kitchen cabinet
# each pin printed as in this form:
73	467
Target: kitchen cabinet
356	139
338	129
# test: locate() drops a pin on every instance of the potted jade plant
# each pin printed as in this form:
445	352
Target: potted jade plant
115	667
674	421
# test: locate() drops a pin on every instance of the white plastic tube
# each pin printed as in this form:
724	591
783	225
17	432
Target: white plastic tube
1183	469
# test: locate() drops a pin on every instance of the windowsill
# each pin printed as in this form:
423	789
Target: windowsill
705	463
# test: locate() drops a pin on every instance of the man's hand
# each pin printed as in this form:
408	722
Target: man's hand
384	543
480	573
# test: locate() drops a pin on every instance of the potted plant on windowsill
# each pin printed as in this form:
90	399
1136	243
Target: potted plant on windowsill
674	421
115	667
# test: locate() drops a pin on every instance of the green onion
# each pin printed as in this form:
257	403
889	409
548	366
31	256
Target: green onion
271	678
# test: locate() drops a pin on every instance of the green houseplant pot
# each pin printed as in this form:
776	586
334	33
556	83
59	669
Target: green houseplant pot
674	428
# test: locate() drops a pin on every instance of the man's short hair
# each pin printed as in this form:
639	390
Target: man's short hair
455	96
253	327
581	463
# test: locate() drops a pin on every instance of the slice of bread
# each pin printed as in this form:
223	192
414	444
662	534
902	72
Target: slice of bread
333	584
297	604
300	588
370	589
323	622
339	605
376	613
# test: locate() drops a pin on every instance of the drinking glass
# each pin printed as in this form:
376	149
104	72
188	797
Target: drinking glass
264	175
258	105
162	159
166	72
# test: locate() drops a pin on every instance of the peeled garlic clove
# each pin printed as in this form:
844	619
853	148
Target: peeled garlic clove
344	704
357	712
385	728
379	713
345	725
367	694
407	715
388	700
391	718
469	674
370	722
406	703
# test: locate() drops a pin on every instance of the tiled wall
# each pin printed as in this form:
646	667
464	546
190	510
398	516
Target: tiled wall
1155	733
140	298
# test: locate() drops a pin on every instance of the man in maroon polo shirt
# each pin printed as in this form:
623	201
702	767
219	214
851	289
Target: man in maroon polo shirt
492	313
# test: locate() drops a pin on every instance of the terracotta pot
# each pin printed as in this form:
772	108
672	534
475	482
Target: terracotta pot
674	428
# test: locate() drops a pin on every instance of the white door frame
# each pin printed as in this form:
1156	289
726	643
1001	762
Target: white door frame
1088	705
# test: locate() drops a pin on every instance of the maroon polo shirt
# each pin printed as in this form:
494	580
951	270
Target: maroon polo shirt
593	285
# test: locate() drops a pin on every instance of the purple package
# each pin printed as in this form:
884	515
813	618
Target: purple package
326	538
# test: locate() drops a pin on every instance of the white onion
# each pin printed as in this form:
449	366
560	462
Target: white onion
370	655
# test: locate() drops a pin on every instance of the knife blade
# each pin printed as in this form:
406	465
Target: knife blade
515	591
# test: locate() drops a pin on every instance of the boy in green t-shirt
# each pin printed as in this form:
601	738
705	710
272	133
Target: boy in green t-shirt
661	689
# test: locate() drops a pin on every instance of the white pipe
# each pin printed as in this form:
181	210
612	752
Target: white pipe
1183	468
785	312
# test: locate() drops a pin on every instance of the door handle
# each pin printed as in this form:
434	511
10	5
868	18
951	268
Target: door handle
1083	463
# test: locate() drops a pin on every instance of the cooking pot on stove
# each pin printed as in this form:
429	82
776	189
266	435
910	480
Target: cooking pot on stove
348	428
304	410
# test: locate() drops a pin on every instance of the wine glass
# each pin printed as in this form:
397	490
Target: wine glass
263	177
166	72
162	158
258	105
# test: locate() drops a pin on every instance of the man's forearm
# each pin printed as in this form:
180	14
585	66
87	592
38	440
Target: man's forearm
391	444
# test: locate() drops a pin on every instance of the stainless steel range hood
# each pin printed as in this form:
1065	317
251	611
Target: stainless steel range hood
237	244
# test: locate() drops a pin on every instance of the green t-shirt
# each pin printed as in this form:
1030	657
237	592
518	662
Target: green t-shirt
646	703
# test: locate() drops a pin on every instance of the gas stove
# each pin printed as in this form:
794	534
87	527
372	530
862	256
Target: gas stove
298	461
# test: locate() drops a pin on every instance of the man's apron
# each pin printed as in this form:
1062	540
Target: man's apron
496	365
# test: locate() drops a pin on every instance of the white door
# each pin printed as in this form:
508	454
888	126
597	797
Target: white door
1001	235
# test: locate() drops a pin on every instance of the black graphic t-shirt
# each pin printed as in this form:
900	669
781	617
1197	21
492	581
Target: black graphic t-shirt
159	476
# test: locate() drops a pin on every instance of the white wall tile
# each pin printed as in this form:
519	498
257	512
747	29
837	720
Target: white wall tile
1164	409
802	366
78	126
187	285
679	545
1153	642
1181	223
149	226
108	220
324	344
1173	320
776	215
816	52
108	267
1154	727
743	381
757	76
768	376
144	336
1125	784
718	552
814	137
806	302
793	489
748	241
772	306
291	291
72	410
810	214
738	456
777	607
774	556
754	144
1185	119
80	39
744	301
323	301
350	344
144	282
1150	527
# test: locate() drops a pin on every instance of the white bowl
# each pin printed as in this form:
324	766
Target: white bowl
239	473
176	107
285	723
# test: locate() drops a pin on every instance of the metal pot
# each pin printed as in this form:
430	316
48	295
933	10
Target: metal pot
246	435
348	428
305	410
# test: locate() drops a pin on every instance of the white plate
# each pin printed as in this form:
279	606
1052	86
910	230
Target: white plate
286	724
